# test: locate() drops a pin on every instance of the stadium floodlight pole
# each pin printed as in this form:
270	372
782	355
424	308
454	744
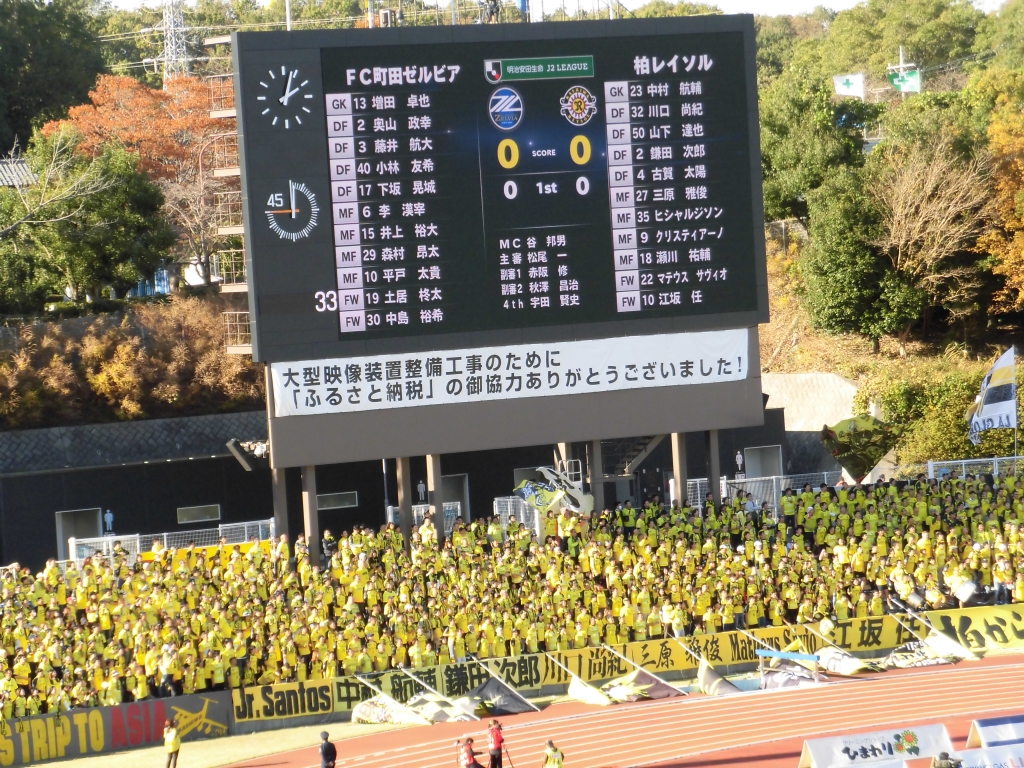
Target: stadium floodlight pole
288	14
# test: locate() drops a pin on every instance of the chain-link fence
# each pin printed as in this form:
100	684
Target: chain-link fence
1000	465
908	471
452	512
133	545
764	489
526	513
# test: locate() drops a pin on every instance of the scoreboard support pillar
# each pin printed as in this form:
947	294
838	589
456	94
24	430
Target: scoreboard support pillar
279	490
434	495
311	514
403	475
714	471
595	467
679	466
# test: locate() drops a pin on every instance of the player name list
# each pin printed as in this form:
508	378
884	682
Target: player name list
665	226
387	194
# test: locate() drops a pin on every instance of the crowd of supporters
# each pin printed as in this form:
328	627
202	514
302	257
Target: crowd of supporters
199	619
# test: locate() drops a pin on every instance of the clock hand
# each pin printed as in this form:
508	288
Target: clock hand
288	92
291	191
288	95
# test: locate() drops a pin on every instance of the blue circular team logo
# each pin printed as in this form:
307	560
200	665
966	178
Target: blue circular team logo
505	108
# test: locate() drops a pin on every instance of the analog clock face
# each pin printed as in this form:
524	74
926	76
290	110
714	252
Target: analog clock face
292	215
284	97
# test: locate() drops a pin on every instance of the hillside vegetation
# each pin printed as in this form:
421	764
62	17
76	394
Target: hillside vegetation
902	266
155	360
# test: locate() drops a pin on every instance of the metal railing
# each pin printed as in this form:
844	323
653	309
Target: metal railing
999	465
135	544
764	489
221	89
526	513
452	512
229	266
236	329
908	471
225	149
228	210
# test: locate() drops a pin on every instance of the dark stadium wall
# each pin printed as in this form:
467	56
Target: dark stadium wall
143	498
366	478
658	465
491	473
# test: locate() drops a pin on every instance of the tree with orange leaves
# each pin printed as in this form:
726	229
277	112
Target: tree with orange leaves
168	129
1006	241
165	128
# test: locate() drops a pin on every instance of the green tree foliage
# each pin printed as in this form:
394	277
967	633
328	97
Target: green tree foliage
662	8
1002	33
895	242
805	135
49	60
868	36
842	273
110	233
117	238
930	403
778	36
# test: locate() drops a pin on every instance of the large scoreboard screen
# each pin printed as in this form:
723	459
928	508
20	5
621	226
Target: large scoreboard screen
448	187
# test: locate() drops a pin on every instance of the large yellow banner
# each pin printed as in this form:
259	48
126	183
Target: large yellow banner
979	629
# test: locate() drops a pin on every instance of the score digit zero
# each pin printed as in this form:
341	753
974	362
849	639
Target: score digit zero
508	157
508	152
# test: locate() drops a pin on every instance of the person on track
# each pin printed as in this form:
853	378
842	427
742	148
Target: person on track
328	752
495	743
553	757
467	755
172	742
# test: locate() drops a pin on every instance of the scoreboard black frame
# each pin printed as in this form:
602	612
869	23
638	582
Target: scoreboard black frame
420	188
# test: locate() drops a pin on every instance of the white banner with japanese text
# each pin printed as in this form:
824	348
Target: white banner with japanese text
1009	756
376	382
878	747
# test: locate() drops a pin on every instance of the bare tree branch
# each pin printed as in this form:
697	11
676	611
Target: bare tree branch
63	179
932	204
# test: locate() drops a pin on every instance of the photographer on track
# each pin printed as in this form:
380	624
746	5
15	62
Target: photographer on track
467	755
495	742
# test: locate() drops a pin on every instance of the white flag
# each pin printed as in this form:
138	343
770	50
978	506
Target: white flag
849	85
996	405
906	82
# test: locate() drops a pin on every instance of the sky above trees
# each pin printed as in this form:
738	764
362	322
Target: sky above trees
761	7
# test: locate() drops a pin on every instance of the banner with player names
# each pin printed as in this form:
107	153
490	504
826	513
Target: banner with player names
377	382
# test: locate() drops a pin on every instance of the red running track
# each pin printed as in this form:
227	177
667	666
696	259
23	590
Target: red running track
676	731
